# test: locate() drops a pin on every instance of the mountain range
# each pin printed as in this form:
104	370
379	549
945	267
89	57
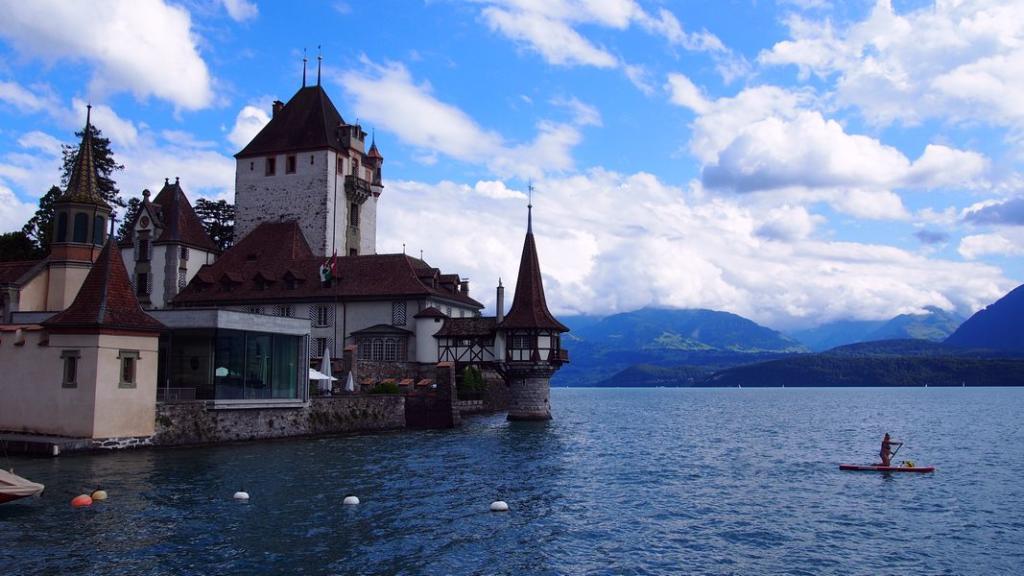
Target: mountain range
663	347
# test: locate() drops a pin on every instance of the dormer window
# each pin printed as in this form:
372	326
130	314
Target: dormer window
143	254
271	167
289	164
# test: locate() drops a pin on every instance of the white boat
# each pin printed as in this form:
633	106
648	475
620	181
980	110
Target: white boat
13	487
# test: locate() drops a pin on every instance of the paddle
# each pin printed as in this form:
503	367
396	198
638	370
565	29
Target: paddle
893	455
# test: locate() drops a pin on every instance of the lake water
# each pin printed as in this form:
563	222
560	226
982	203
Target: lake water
658	481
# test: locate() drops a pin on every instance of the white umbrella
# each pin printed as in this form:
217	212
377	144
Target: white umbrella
350	386
325	368
315	374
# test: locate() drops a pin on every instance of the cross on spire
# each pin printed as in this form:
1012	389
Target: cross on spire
529	209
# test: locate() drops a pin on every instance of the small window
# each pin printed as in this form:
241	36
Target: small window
181	280
70	357
364	350
378	350
254	309
142	255
284	311
398	309
353	214
321	346
62	227
353	252
142	283
341	165
129	360
81	232
322	315
448	311
252	166
390	350
184	253
271	167
312	159
98	226
289	164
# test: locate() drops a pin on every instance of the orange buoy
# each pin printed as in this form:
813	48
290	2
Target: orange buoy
81	501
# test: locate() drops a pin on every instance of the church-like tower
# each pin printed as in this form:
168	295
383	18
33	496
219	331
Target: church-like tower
309	165
80	218
532	339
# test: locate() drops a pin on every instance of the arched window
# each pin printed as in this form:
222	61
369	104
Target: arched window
62	227
98	224
390	350
81	233
378	349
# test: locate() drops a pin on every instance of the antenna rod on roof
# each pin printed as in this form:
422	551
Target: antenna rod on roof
529	210
319	59
303	67
403	247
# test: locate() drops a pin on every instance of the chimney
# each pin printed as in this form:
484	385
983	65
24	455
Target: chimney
464	287
278	105
499	303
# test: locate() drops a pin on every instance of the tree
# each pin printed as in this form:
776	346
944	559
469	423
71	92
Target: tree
40	226
219	220
125	230
18	246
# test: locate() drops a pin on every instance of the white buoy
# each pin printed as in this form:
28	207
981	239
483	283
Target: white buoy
241	495
499	506
350	500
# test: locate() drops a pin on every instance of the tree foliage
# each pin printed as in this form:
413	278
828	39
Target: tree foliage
39	227
219	219
124	230
18	246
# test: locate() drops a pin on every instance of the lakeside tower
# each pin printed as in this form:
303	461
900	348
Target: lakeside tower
532	338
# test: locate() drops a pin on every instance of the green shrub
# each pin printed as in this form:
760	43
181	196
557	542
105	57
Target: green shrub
385	388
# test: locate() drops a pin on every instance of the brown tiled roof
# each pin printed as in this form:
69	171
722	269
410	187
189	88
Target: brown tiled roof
374	153
11	272
309	121
176	218
106	299
463	327
382	329
529	307
82	185
430	312
275	248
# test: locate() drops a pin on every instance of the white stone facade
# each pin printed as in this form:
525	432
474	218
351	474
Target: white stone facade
314	194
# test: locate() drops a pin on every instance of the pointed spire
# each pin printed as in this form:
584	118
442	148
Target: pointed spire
529	307
82	185
304	59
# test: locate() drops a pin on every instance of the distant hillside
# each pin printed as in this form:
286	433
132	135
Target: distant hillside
935	325
648	376
1000	326
600	348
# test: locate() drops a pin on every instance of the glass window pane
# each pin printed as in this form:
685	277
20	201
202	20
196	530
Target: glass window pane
229	362
285	366
257	365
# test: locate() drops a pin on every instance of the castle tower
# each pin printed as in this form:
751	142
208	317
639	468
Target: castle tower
532	338
79	227
309	165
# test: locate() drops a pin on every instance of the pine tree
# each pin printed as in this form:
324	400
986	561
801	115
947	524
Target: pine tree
39	228
219	219
18	246
124	230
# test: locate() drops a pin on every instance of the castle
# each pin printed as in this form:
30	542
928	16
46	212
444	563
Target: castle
239	330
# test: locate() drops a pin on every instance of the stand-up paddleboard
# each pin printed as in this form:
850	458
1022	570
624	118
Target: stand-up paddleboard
877	468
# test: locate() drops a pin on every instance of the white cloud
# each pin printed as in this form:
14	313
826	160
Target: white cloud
611	242
388	97
146	47
551	29
13	212
241	10
248	123
24	99
978	245
958	61
120	131
769	139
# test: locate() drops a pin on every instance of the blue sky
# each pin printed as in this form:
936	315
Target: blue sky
792	161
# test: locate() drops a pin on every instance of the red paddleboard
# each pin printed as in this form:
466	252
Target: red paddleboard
874	468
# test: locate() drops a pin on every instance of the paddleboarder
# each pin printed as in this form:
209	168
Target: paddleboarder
886	452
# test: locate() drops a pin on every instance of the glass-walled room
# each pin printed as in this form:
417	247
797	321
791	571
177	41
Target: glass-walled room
231	365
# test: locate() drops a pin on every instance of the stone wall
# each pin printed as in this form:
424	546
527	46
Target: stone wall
193	423
530	390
